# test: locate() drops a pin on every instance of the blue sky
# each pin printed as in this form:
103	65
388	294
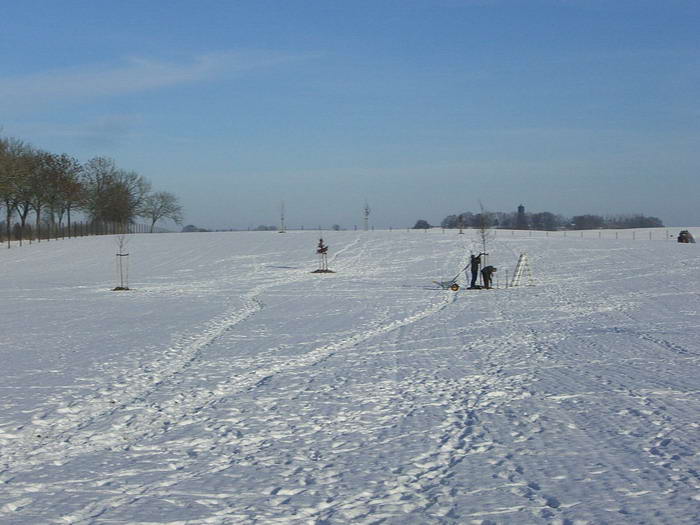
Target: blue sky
423	108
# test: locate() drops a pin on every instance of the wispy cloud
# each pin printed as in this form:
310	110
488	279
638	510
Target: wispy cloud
131	76
107	132
100	133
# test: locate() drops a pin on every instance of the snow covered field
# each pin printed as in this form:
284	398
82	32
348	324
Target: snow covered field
233	386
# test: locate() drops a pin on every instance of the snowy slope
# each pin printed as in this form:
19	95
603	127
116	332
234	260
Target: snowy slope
231	385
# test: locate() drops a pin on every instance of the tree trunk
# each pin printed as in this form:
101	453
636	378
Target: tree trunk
7	222
38	224
23	217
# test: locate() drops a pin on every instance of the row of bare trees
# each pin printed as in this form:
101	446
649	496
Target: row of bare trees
547	221
49	187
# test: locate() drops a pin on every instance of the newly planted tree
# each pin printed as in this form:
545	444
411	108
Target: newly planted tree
122	259
484	224
322	251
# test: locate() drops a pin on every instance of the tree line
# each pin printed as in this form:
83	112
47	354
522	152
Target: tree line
50	187
545	220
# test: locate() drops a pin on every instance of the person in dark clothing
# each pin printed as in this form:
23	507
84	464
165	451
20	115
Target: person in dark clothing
474	263
486	274
685	237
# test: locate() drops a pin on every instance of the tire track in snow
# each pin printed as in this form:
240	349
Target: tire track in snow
466	431
646	418
132	428
197	401
57	434
75	438
418	487
546	503
540	349
655	418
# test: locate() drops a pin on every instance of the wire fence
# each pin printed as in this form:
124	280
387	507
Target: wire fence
649	234
19	235
633	234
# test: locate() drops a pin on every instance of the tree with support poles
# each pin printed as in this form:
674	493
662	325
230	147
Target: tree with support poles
322	251
122	260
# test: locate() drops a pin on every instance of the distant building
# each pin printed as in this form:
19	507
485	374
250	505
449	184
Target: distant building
521	219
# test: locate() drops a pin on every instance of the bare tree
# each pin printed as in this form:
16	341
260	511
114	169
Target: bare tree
14	173
97	175
62	173
6	184
71	189
111	194
161	205
39	184
50	186
484	221
137	188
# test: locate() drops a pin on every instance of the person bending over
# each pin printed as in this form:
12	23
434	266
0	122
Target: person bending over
486	274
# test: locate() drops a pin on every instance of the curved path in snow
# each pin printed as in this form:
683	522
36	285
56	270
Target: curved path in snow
368	397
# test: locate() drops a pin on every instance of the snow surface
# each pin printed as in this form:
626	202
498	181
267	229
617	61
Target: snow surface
231	385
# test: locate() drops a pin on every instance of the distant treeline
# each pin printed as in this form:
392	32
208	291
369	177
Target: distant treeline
545	220
48	187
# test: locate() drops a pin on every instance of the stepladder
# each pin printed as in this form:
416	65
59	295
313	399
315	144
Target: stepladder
522	271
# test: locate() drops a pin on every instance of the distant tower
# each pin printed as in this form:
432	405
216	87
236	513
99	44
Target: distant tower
283	228
521	219
366	212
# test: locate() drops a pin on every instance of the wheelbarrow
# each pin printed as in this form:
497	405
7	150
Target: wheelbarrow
452	283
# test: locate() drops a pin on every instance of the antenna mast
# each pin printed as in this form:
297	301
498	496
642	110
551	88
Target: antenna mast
282	226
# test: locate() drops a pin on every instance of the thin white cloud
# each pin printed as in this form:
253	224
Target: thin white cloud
100	133
133	76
